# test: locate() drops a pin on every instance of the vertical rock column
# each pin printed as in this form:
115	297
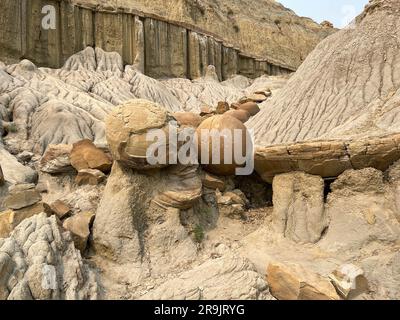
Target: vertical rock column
229	62
43	47
203	42
247	66
11	28
139	58
117	32
76	29
165	49
109	32
261	68
215	55
129	39
194	56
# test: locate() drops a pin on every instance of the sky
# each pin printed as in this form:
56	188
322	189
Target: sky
339	12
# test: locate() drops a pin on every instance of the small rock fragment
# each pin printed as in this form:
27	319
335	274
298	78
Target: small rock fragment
187	119
79	226
222	107
213	182
206	111
257	97
21	196
293	282
59	208
89	176
349	281
56	159
85	155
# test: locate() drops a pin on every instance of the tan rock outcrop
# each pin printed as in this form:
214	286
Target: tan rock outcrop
298	201
128	233
327	158
360	207
79	225
183	188
293	282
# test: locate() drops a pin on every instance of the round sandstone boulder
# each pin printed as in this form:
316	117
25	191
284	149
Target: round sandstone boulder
211	144
251	107
187	119
127	128
242	115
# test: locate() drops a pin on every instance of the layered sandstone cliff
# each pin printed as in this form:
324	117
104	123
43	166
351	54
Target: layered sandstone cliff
177	44
263	28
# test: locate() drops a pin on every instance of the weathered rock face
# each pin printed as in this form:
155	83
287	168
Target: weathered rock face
344	99
332	115
155	44
327	158
361	207
40	262
228	278
299	206
245	24
132	225
349	281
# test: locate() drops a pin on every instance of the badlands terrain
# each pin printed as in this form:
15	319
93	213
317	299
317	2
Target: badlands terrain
83	216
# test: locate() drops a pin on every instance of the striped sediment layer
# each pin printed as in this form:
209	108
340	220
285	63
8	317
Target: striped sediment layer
328	158
159	47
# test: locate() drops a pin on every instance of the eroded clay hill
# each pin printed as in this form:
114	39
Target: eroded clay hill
263	28
343	99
